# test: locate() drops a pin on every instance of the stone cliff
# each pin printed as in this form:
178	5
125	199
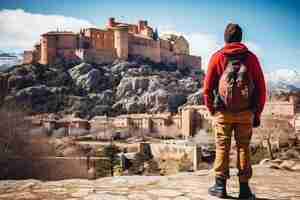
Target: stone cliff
267	183
90	89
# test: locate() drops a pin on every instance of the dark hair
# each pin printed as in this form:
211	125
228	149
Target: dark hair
233	33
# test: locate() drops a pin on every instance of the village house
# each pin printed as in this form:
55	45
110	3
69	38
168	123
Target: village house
279	116
281	108
188	120
192	118
117	41
51	122
295	122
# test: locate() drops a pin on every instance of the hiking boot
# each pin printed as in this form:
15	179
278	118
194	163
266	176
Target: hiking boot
245	192
219	189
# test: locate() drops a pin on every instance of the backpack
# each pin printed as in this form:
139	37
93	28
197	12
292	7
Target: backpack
236	86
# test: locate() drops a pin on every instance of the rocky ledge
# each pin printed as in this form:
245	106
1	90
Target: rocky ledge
268	184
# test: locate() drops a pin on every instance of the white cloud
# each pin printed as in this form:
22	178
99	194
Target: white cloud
203	44
20	29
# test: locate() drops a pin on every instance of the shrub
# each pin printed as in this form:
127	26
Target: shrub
111	153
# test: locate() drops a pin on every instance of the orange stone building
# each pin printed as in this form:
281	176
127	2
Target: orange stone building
117	41
283	108
186	123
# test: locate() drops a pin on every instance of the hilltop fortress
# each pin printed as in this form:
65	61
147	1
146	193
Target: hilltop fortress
117	41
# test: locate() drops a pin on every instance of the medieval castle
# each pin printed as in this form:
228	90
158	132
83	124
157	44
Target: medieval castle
124	41
117	41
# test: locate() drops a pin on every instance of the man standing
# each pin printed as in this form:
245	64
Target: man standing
235	94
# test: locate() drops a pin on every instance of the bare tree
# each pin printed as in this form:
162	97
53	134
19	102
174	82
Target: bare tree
14	130
267	138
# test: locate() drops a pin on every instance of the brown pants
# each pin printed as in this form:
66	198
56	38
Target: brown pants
242	135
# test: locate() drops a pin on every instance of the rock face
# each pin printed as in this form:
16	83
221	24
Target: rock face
88	78
195	98
290	165
158	93
185	186
119	88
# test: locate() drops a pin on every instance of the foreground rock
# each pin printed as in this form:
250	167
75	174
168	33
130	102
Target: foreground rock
268	184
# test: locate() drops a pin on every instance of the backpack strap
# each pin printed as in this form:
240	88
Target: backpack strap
237	57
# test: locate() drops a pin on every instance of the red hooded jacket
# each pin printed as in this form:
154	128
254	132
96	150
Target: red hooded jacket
217	66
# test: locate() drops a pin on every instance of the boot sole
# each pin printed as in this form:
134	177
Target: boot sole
219	195
253	197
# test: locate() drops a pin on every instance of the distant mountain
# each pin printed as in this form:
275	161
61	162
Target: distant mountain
8	60
283	81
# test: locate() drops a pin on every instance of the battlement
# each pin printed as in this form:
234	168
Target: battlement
117	41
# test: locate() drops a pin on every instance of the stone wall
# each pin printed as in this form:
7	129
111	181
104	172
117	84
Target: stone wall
66	41
28	57
192	62
282	108
177	121
65	54
193	118
57	45
100	39
279	131
31	56
97	56
297	124
146	47
167	56
176	151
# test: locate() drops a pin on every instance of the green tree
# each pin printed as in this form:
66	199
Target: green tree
155	35
110	151
137	166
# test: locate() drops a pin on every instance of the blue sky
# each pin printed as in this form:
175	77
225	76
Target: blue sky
271	28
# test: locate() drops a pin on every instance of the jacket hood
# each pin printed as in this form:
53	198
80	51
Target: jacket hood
234	48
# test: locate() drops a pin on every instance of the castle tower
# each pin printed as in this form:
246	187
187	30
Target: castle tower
48	49
44	52
121	41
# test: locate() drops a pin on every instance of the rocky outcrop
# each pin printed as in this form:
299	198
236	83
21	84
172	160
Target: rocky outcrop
290	165
88	78
155	93
36	96
119	88
196	98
